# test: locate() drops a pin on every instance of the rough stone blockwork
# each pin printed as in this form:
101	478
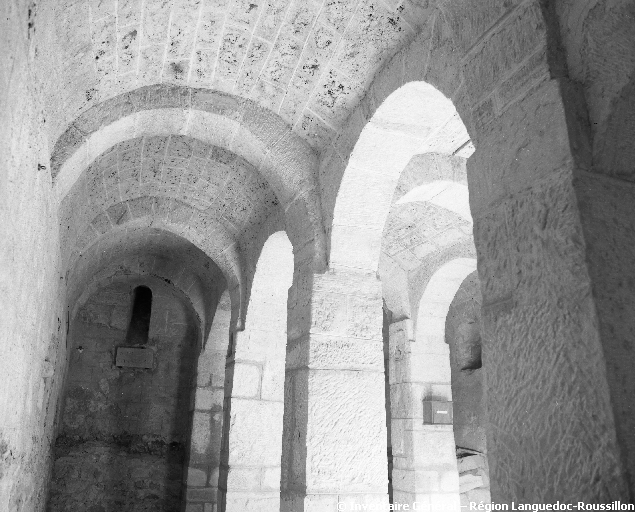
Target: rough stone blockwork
250	476
308	61
321	105
463	336
334	431
600	37
32	285
134	478
232	123
207	424
124	431
499	64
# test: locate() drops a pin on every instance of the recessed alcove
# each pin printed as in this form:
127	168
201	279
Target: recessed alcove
124	430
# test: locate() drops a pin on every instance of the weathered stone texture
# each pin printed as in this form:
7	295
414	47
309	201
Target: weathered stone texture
124	431
209	180
224	120
552	312
606	210
320	447
105	477
598	37
250	478
32	295
268	51
168	140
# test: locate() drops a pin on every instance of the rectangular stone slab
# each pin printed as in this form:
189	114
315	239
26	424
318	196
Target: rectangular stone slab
437	413
134	357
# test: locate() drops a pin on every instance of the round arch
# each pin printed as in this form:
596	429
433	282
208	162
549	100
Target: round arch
435	303
424	455
107	249
416	118
429	223
256	134
202	295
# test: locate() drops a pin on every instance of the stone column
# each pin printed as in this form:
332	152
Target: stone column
254	398
255	389
425	469
334	444
207	423
552	433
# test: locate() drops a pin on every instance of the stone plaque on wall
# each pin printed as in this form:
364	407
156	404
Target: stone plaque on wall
134	357
437	413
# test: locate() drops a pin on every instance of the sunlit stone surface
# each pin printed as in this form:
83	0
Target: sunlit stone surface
336	211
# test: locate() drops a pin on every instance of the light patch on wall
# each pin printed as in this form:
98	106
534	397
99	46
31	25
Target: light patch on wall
416	118
446	194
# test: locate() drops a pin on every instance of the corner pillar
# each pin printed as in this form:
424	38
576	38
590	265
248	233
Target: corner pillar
552	426
207	417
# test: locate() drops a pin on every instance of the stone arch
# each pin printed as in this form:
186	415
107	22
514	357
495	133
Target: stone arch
429	222
436	301
424	456
446	194
208	417
208	383
459	57
147	404
484	66
212	189
205	297
120	250
256	371
233	123
200	295
416	118
219	248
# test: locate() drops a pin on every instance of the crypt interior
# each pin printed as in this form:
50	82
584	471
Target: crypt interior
316	255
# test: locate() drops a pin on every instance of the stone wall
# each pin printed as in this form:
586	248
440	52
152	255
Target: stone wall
599	38
117	477
207	425
32	288
124	432
462	331
549	320
463	335
551	207
254	390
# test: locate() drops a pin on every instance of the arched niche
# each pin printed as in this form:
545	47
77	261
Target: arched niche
416	118
126	417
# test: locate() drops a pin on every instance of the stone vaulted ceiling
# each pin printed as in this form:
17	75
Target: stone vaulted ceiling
204	194
213	185
310	61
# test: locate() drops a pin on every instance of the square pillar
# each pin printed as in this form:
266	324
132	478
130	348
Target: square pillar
204	455
335	439
425	468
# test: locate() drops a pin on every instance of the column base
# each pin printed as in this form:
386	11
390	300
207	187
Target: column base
429	502
252	502
334	502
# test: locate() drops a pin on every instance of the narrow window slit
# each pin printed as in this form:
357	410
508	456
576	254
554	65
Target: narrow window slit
140	320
